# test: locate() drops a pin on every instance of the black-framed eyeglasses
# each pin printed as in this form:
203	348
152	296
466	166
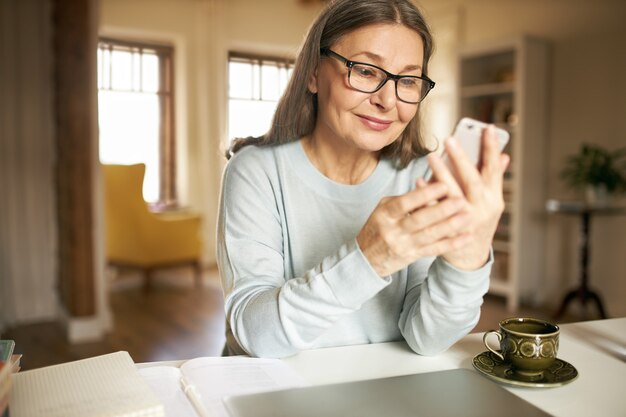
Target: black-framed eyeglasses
368	78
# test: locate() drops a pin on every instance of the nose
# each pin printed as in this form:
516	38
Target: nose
385	97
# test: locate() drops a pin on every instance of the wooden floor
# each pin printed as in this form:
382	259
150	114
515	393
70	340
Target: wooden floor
174	321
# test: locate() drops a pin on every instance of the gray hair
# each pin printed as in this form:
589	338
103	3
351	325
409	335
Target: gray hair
296	113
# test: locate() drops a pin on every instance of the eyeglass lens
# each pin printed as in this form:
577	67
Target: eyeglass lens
368	79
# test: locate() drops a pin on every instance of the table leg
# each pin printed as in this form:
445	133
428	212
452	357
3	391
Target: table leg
596	298
583	293
568	299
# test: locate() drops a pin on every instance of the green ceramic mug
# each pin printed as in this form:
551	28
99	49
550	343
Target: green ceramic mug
529	345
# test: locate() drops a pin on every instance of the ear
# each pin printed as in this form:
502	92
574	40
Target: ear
312	84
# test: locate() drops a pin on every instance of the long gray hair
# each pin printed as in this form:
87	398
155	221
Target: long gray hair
297	109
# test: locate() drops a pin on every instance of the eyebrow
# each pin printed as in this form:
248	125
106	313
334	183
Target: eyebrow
378	59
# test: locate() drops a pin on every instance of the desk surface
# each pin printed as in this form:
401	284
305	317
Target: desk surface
597	349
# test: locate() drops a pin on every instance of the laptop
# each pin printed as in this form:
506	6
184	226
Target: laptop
457	392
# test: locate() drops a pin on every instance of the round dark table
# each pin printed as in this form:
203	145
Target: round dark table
578	208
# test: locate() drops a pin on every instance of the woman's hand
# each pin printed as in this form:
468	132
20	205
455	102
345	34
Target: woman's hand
426	221
481	189
455	215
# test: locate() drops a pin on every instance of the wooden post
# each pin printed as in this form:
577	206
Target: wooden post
75	37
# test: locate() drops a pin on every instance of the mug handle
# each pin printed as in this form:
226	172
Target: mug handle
499	336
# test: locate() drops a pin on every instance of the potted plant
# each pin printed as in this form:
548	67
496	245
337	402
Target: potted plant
598	171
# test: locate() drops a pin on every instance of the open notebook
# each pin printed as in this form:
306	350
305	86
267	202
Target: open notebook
196	388
102	386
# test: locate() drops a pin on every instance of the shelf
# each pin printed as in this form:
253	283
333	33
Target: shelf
504	83
492	89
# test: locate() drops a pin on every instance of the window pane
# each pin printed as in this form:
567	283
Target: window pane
121	72
249	118
136	68
129	134
104	68
150	73
240	80
100	75
270	87
256	81
254	92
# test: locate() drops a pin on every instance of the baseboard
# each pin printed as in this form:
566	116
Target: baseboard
87	329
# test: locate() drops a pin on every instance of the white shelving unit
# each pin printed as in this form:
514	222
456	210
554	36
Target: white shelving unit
506	83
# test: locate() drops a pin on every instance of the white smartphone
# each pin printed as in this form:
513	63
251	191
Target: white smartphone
468	133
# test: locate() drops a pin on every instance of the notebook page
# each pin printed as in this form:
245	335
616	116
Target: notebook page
215	378
165	383
102	386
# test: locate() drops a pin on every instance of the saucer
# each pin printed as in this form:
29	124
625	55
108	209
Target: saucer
488	364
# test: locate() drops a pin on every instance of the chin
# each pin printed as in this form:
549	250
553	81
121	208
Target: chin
375	143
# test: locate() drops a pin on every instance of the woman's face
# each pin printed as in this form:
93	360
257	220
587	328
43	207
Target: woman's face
366	121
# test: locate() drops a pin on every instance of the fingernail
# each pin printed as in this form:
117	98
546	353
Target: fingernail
452	141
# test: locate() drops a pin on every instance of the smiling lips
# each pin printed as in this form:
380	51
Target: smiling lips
374	123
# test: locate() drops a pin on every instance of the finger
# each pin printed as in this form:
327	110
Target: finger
446	245
452	226
432	214
466	170
494	173
442	174
490	149
497	179
420	183
505	160
400	206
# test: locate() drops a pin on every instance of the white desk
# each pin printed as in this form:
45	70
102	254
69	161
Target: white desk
597	349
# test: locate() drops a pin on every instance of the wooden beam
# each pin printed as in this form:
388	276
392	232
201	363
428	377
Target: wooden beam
75	90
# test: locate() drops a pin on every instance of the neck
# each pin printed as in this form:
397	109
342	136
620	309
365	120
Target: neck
340	163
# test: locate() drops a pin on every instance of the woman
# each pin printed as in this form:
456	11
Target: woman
328	233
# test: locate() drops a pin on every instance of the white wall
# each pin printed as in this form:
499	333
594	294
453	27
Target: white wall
587	97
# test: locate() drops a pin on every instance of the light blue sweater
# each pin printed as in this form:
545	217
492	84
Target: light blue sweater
294	277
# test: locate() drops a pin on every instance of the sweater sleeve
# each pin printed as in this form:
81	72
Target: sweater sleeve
269	313
442	304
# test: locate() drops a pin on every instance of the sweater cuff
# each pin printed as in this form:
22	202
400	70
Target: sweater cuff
352	279
457	286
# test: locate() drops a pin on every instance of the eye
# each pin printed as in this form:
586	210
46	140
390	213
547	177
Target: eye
409	82
365	71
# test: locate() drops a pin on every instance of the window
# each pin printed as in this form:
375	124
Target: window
255	86
135	113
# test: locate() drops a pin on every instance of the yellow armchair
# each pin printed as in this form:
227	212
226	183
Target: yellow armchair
136	237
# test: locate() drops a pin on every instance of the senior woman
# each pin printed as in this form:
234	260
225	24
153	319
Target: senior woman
328	232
